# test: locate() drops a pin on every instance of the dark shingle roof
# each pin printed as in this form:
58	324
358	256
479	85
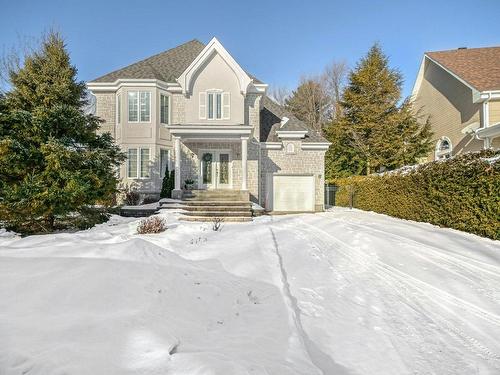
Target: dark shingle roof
166	66
270	122
480	67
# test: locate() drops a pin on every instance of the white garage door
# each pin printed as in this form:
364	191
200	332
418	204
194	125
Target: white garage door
293	193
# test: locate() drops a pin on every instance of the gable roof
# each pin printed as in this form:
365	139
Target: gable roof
270	122
479	67
166	66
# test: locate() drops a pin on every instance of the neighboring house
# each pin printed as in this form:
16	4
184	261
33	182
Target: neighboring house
196	110
460	90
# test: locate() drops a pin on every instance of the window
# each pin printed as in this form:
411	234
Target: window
139	106
144	162
443	148
290	148
132	163
138	163
164	109
119	109
164	161
215	105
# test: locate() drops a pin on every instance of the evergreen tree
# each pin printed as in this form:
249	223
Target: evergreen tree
53	164
375	131
165	185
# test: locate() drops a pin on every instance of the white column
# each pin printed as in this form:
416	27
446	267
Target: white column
244	153
177	148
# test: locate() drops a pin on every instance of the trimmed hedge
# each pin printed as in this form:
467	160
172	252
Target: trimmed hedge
461	193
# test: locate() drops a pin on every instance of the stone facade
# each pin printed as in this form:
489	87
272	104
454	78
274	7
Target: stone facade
106	110
306	162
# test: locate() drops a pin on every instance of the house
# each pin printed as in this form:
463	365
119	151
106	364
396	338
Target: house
194	109
460	90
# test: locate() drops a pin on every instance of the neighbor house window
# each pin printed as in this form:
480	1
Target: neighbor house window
138	163
119	109
443	148
164	161
164	109
215	105
139	106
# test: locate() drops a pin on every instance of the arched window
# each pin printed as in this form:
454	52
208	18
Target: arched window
290	148
443	148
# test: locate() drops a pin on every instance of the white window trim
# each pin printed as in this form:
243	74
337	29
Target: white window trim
139	158
169	108
139	107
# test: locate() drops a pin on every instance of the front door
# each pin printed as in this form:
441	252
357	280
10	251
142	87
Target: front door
215	168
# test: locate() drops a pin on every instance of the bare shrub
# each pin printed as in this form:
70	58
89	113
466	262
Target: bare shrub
217	223
132	197
150	199
153	224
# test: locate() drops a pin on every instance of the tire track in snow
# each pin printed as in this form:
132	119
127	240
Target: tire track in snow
466	262
320	359
395	278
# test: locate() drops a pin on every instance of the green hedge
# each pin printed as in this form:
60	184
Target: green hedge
461	193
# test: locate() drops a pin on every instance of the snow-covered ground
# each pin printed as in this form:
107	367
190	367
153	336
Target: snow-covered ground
342	292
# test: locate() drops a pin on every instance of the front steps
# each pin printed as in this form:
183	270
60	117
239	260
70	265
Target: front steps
206	205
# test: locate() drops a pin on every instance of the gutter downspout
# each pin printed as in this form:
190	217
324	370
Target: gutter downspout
486	121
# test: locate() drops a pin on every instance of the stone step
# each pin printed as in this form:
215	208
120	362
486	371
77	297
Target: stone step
216	208
209	219
216	203
218	213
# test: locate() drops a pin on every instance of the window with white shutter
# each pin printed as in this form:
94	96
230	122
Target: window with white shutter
203	105
226	106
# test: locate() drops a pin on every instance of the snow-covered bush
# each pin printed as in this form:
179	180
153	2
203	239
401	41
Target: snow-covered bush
461	193
153	224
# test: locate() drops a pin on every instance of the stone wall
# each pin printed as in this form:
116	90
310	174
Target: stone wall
298	162
106	110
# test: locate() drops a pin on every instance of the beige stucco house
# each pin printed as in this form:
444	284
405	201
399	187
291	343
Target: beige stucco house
460	90
194	109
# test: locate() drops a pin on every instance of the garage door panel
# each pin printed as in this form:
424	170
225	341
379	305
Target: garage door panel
293	193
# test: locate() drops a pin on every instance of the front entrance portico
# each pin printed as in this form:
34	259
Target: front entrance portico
216	157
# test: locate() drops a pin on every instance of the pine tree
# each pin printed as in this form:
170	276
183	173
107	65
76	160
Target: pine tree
53	165
375	131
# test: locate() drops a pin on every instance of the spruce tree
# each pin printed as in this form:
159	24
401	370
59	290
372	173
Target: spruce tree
53	165
375	131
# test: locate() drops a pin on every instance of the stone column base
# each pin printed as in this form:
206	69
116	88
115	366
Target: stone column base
177	194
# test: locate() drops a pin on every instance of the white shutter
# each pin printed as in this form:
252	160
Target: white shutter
203	105
226	106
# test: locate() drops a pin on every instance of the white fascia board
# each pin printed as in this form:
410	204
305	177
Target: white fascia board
201	130
491	131
291	134
271	145
130	82
258	88
315	146
214	46
487	95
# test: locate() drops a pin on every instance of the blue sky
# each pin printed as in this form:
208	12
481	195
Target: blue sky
277	41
